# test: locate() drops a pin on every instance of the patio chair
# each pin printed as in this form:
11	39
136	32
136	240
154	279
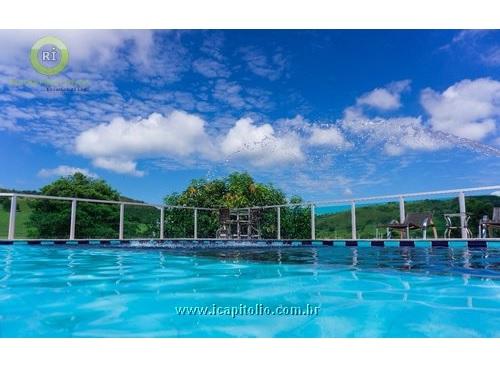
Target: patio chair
486	225
224	230
452	224
422	220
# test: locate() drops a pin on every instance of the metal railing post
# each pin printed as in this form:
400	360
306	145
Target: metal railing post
162	221
12	217
402	213
72	220
353	220
278	212
313	222
463	214
195	223
122	215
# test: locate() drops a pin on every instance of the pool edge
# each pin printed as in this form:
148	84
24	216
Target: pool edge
416	243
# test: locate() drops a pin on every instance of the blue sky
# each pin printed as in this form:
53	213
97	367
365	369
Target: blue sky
322	114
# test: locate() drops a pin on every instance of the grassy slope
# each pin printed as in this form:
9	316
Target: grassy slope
368	217
22	217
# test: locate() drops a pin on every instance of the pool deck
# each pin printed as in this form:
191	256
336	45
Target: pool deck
489	243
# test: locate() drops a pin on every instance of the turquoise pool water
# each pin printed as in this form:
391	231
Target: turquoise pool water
99	291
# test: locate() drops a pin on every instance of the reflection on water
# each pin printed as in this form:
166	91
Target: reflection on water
363	292
476	261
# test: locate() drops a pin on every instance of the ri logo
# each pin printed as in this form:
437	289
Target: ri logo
49	56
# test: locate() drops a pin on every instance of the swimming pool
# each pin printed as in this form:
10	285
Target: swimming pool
138	290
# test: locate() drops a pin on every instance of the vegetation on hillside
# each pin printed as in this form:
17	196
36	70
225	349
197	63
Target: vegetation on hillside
368	217
23	212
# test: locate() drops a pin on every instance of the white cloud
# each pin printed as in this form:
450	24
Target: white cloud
298	123
397	135
259	64
213	44
210	68
8	125
467	35
115	145
467	109
181	136
230	93
239	97
64	170
460	116
386	98
260	146
347	191
119	165
491	56
329	137
353	113
478	45
496	193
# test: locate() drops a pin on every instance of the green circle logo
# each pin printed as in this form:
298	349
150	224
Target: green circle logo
49	55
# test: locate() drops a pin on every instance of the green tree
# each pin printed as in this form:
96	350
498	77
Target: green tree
141	221
5	203
50	219
296	220
235	191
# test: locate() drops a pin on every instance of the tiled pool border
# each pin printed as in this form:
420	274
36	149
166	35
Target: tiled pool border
481	243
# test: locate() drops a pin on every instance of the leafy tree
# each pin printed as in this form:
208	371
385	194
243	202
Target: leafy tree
5	203
50	219
235	191
296	220
141	222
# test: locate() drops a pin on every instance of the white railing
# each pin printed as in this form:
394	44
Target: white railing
460	194
121	204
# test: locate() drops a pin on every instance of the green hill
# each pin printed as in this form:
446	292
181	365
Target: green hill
22	218
338	225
